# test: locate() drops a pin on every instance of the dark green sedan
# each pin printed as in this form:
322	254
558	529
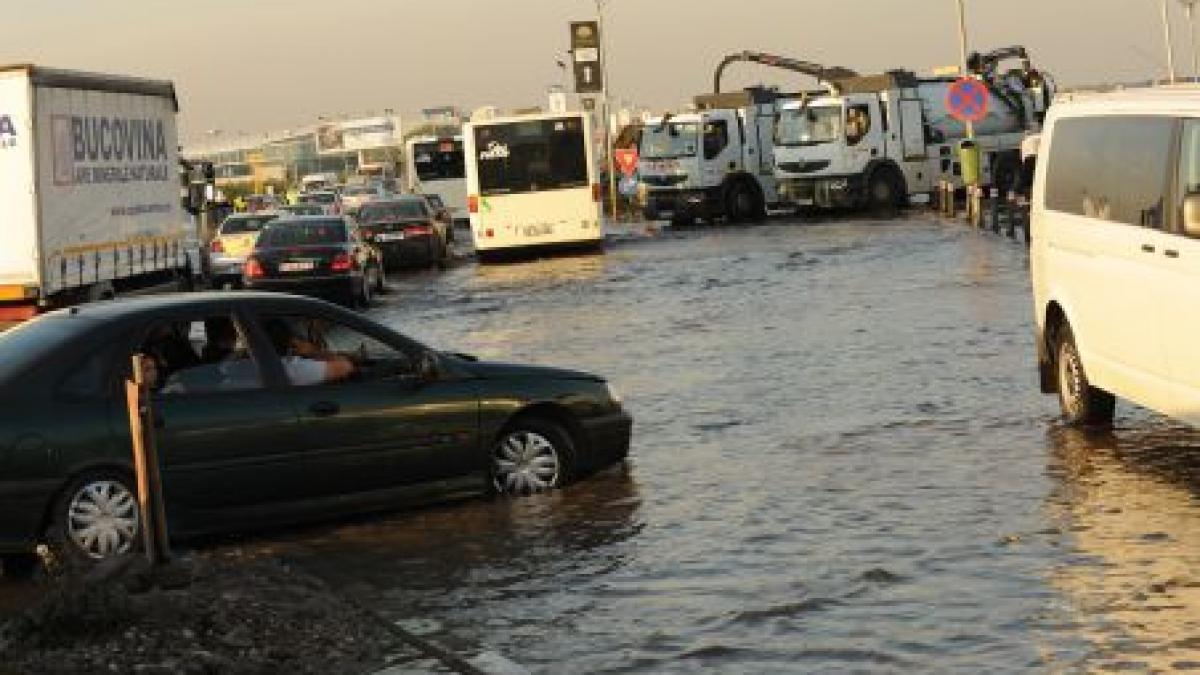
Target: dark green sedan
269	409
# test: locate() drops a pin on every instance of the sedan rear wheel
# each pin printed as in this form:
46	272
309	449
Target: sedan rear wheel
531	456
96	518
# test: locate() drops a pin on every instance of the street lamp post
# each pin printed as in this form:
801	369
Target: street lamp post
608	139
1170	47
1189	7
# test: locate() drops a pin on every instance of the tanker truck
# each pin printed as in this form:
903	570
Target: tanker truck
872	141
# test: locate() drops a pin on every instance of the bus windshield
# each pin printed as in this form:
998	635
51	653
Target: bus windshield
670	141
531	156
809	126
438	160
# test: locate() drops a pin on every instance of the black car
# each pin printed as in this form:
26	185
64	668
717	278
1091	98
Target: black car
324	256
269	409
407	230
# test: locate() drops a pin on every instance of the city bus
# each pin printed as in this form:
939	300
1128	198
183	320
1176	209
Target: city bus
434	165
532	182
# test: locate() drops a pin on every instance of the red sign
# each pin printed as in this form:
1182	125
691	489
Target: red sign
967	100
627	160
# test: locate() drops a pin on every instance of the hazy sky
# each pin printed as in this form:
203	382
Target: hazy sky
254	65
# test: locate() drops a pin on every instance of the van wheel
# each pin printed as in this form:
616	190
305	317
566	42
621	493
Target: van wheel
1081	403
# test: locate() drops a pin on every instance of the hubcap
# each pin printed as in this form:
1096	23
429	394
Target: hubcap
525	461
102	519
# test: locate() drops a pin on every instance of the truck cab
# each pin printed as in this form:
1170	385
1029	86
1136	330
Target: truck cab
713	162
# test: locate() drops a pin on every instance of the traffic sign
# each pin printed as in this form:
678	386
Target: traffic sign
967	100
627	160
585	50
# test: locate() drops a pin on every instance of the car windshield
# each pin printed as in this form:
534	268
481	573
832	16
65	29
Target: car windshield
317	198
406	209
670	140
809	126
306	233
244	225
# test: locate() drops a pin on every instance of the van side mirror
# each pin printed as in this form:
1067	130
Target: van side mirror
1191	215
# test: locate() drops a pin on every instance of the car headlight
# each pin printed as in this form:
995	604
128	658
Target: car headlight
613	393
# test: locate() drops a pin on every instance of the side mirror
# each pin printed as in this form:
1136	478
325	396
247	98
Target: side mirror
1191	215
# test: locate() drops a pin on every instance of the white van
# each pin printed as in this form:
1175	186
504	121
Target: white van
1115	227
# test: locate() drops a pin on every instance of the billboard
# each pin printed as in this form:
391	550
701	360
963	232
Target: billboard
354	135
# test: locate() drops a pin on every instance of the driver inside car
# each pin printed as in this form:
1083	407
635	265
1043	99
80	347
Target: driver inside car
305	363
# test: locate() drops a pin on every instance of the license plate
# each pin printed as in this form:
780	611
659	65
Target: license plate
389	236
297	266
538	230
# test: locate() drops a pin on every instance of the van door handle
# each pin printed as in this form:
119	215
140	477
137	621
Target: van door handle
1148	248
1171	253
324	408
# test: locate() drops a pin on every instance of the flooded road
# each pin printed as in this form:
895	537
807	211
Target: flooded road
840	462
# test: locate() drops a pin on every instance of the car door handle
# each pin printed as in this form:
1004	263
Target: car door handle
1171	253
1148	248
324	409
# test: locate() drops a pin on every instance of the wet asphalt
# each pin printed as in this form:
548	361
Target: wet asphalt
841	462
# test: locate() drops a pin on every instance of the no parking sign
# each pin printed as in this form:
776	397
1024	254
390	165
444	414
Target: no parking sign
967	100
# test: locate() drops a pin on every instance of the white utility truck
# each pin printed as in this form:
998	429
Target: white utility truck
718	159
90	195
875	140
713	162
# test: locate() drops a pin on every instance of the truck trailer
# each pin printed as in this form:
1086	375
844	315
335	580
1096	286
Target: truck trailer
90	200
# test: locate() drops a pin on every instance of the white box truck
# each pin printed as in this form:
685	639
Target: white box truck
89	189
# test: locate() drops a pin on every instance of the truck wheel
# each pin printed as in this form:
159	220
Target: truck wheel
885	190
1081	403
743	205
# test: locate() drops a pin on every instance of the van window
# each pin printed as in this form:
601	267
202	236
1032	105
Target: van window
1111	168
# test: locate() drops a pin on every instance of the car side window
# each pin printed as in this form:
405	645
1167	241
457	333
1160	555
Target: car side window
1110	168
716	137
858	123
92	376
315	351
201	356
1189	166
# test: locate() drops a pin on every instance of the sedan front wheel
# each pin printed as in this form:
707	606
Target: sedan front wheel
97	517
532	456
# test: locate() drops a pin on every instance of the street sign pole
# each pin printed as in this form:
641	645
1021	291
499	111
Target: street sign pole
962	45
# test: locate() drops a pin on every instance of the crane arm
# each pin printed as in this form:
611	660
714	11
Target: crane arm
826	74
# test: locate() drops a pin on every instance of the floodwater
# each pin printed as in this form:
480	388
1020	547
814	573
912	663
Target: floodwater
841	463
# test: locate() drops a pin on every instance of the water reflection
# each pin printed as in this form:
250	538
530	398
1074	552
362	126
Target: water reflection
1129	503
456	556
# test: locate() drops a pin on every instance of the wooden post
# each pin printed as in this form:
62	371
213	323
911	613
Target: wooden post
145	464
